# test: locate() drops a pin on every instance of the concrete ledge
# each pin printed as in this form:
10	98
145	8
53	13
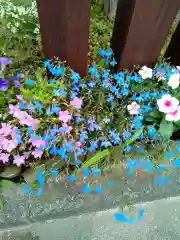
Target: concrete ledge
66	206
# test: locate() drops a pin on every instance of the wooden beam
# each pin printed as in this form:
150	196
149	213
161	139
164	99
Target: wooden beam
173	50
140	30
64	26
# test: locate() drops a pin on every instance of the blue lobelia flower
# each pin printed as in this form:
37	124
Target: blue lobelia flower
29	82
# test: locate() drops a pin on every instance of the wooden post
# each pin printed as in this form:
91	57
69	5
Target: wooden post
140	30
173	50
64	26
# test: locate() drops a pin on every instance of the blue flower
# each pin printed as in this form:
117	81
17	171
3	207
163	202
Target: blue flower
110	99
52	81
105	74
124	91
57	71
47	63
92	84
75	77
106	84
29	82
60	93
127	135
113	62
94	72
3	84
56	109
152	132
83	136
128	148
106	144
69	146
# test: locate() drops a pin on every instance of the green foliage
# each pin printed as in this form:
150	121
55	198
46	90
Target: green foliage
166	129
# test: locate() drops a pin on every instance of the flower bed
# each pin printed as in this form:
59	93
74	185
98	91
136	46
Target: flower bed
58	113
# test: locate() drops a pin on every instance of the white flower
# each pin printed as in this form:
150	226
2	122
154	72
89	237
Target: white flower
133	108
174	81
178	68
174	116
145	72
167	104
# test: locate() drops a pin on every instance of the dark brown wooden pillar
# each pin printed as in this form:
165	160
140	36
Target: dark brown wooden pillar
64	26
173	51
140	30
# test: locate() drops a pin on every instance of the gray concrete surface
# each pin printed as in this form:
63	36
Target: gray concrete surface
161	222
67	214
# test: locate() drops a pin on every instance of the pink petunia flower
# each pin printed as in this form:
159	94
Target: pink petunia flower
76	102
167	104
37	142
18	160
37	153
64	116
5	129
174	116
9	145
4	157
133	108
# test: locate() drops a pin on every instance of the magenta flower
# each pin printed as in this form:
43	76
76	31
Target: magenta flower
76	102
64	116
18	160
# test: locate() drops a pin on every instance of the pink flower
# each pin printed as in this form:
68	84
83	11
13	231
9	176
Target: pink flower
64	116
8	145
13	108
174	116
76	102
4	157
18	160
19	97
167	104
5	129
37	153
37	142
133	108
160	75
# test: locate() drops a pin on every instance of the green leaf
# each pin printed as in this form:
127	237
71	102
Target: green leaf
1	203
131	140
166	129
7	183
2	43
101	155
149	119
96	159
39	74
155	114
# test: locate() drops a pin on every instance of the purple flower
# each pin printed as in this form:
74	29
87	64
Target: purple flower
5	61
3	84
